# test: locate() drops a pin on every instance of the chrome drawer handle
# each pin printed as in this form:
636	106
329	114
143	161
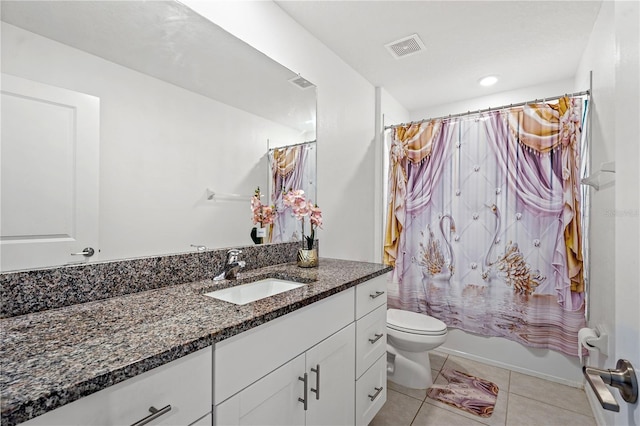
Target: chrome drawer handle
88	252
375	395
377	294
155	413
305	399
317	389
378	337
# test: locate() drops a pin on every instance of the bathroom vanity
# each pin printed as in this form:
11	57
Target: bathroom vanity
311	355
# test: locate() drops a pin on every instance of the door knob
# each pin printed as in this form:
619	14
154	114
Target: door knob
623	378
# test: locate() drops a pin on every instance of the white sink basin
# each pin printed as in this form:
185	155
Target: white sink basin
247	293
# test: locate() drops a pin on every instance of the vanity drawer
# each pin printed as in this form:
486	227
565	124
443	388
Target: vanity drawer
371	391
371	338
371	294
184	384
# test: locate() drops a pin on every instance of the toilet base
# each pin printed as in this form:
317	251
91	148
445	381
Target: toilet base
409	369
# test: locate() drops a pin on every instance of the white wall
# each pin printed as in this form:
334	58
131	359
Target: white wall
598	58
498	99
160	148
612	55
391	110
346	120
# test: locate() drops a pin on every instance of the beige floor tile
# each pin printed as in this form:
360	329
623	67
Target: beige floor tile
399	410
437	360
419	394
497	375
562	396
430	415
498	418
527	412
435	374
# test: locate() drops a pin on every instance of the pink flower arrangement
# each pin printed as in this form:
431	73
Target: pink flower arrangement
263	215
301	208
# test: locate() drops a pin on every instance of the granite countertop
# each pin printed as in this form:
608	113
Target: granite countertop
54	357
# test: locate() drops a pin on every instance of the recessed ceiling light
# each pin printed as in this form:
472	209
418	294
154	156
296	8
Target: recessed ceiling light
489	80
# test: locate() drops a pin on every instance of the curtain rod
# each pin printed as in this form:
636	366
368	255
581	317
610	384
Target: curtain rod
292	145
462	114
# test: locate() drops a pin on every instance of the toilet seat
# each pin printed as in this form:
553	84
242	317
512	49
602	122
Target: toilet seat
415	323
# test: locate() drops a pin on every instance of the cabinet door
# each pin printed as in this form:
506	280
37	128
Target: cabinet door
332	386
272	400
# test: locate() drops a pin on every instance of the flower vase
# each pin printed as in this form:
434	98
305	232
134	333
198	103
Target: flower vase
307	258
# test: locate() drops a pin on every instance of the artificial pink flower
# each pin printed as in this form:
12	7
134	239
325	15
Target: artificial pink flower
268	215
302	207
256	208
263	215
295	199
316	216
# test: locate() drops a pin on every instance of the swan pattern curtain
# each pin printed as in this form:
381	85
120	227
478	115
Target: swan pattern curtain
483	223
292	167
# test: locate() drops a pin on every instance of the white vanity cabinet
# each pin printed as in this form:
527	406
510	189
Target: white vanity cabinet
371	348
336	345
297	369
184	385
315	388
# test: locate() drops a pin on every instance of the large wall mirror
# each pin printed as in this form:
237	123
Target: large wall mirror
136	128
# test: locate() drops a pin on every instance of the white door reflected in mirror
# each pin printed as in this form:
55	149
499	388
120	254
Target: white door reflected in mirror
50	164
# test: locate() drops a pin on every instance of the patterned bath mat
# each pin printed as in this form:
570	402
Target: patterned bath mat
471	394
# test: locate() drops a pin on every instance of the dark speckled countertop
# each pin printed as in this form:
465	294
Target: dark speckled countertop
54	357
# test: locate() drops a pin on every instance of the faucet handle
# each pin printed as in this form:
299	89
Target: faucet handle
232	255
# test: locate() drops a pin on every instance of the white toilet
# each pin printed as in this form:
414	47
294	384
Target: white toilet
410	337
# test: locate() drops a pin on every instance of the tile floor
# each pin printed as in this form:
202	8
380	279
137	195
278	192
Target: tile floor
522	400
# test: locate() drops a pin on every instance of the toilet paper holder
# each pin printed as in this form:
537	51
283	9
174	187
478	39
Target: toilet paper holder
600	341
623	378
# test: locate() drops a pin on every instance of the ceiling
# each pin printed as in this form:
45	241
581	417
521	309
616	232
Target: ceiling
525	43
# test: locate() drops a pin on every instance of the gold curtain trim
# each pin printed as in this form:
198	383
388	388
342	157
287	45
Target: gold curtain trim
285	159
414	143
543	128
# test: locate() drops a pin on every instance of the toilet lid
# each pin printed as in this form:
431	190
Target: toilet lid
413	322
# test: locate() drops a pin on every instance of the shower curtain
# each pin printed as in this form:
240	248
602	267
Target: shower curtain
292	167
483	222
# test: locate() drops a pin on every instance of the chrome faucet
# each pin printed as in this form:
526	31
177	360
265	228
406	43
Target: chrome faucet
231	266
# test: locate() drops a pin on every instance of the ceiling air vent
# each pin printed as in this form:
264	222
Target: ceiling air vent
405	46
301	82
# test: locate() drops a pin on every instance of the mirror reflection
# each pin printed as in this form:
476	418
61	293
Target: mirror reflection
148	109
291	167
